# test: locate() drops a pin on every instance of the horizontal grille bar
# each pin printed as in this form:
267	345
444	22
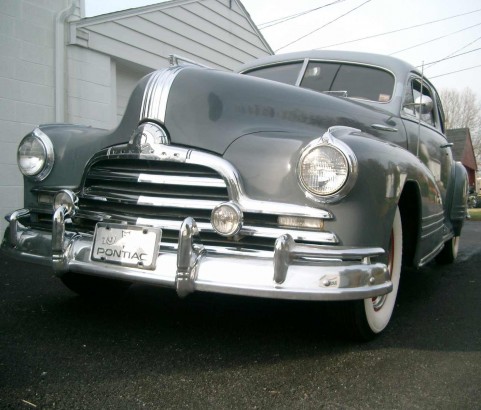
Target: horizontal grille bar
163	193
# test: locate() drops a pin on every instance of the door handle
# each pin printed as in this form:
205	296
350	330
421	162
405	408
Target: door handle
448	145
381	127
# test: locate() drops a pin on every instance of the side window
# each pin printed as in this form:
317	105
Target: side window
415	90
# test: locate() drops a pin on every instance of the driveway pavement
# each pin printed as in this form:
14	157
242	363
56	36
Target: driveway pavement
154	351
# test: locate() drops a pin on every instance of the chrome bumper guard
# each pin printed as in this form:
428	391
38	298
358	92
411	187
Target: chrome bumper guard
291	271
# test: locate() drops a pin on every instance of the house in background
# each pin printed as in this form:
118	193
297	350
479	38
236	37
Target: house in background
463	151
56	66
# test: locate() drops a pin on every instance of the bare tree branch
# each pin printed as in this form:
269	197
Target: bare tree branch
463	110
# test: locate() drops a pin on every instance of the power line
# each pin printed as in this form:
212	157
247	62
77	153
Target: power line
453	54
399	30
293	16
449	57
317	29
435	39
454	72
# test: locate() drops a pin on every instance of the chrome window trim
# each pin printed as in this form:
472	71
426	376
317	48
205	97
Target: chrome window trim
302	72
306	62
294	60
412	117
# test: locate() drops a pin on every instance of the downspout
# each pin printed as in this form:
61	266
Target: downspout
60	19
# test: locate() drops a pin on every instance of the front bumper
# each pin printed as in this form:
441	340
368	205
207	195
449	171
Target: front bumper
291	271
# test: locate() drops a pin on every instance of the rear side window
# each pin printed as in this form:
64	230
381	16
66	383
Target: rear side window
284	73
350	80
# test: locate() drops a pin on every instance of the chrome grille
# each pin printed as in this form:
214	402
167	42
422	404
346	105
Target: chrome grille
163	193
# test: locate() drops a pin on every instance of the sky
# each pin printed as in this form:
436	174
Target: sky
443	28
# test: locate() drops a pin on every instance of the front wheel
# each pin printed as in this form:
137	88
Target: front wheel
369	317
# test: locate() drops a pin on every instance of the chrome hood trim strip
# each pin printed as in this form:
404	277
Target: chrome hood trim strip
154	101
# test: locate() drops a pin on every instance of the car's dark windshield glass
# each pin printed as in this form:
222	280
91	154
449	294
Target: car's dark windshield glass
284	73
354	81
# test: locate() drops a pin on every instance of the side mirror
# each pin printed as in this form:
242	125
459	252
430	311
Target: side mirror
423	104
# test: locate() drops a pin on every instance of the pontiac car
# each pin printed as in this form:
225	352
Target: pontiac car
307	176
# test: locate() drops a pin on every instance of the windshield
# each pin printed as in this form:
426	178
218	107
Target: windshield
283	73
339	79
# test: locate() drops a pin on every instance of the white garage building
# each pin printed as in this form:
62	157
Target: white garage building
56	66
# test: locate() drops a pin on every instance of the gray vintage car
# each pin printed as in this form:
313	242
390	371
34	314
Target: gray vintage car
310	176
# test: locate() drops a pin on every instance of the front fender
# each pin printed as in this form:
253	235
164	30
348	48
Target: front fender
267	163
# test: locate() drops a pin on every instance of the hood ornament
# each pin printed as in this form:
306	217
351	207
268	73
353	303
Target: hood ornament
147	137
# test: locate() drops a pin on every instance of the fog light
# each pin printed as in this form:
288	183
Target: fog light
227	219
66	198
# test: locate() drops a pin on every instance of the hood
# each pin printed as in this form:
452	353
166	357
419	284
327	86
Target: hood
209	109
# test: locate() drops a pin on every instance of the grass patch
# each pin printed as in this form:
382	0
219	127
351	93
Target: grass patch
475	214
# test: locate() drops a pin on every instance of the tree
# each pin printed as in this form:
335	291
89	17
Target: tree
463	110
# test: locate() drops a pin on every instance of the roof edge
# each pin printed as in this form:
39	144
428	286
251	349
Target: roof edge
103	18
254	27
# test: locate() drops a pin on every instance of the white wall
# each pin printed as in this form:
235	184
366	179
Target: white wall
128	75
91	97
26	85
104	58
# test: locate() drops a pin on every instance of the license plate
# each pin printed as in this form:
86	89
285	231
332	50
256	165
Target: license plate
127	245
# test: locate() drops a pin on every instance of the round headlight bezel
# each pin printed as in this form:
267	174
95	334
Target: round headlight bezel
350	163
48	155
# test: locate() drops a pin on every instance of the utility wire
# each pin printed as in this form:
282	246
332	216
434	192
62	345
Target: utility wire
449	57
271	23
319	28
399	30
435	39
457	71
453	54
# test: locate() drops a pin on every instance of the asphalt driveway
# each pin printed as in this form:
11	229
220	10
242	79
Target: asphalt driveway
154	351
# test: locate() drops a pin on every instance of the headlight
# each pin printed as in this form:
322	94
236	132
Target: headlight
327	169
35	155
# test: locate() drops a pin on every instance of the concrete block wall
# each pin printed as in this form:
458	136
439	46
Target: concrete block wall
91	97
27	30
